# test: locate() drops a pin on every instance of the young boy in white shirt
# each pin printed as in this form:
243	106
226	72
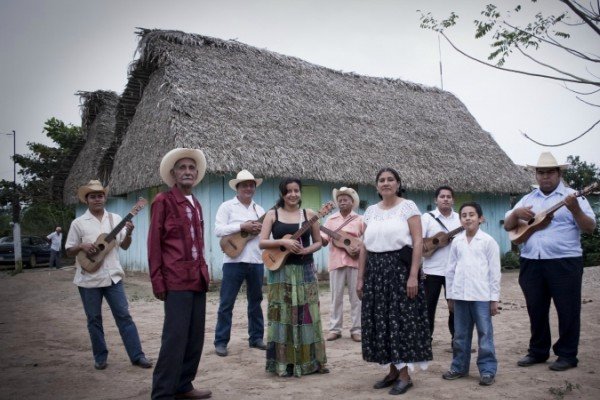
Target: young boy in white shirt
473	284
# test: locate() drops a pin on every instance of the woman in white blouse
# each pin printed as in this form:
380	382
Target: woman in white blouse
395	327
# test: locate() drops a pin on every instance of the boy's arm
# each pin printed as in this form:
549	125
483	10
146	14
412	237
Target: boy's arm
450	270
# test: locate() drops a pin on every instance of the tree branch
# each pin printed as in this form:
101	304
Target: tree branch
581	15
582	80
560	144
556	78
587	102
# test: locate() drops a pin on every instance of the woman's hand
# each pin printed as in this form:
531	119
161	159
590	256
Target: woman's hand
292	245
412	287
359	288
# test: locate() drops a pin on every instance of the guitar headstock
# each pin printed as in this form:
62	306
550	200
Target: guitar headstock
588	189
326	209
141	203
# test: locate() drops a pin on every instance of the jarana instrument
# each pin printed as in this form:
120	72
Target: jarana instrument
439	240
343	240
234	244
106	242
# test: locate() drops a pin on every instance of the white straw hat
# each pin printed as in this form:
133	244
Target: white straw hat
242	176
348	192
169	160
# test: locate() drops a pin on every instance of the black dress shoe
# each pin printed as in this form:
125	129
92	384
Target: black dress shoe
528	361
100	365
143	362
259	345
401	387
385	382
561	365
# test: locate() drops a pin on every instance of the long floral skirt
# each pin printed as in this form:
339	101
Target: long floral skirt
395	329
295	342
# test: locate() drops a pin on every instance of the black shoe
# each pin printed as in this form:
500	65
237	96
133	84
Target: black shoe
221	350
486	380
528	361
401	387
258	345
100	365
143	362
561	365
385	382
451	375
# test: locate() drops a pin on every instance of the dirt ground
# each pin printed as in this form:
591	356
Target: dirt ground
45	350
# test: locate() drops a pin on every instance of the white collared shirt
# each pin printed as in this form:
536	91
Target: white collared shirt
473	272
86	229
56	240
229	219
437	263
560	239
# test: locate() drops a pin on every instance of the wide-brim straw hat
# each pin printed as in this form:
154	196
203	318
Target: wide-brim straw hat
91	186
348	192
169	160
242	176
547	160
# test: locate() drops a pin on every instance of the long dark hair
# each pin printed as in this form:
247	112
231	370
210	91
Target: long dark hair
283	190
396	175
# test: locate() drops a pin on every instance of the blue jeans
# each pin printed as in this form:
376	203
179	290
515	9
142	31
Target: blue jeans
467	314
54	259
234	275
117	301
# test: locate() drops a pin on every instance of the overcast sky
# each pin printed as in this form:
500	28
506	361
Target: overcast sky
52	49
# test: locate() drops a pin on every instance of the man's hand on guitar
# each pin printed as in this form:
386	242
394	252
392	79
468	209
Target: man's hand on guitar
251	227
572	204
88	248
524	213
129	227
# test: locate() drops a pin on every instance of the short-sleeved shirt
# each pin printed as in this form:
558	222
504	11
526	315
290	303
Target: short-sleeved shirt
86	229
55	240
338	257
387	230
230	216
437	263
560	239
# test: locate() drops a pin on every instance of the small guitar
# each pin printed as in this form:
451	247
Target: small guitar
106	242
344	241
275	257
439	240
541	220
233	244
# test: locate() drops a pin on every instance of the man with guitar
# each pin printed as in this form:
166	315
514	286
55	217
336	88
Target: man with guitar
343	262
551	263
179	274
241	216
442	220
107	281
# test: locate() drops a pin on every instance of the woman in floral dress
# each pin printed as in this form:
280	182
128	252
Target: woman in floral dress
395	328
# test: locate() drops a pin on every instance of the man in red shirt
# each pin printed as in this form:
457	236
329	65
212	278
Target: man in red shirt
179	274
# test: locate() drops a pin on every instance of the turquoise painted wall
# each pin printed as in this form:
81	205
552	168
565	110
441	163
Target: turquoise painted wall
214	190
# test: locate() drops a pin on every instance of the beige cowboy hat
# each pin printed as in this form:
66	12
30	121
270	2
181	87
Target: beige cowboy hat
169	160
547	160
242	176
91	186
348	192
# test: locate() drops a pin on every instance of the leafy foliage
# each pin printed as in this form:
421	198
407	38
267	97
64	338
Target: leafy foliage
580	174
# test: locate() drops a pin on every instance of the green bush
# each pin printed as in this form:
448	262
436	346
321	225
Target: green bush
591	246
510	260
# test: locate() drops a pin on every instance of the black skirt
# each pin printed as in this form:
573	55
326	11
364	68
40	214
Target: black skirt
395	329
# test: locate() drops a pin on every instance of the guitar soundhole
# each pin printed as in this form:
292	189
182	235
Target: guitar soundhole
244	234
346	242
282	248
435	241
100	247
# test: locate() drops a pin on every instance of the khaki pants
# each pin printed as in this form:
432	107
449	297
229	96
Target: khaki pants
338	278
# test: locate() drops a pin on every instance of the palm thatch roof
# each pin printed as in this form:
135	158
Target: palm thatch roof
98	117
277	116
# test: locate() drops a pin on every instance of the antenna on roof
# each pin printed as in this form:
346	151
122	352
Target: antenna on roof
440	52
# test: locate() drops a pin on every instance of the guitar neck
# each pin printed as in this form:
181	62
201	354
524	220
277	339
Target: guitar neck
113	234
305	227
331	233
262	218
455	232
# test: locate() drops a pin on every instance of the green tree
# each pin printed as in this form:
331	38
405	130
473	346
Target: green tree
580	174
509	37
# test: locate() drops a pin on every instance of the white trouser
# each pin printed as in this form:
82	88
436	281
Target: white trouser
338	278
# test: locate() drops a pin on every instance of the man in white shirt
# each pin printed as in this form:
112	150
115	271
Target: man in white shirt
55	239
241	215
107	281
442	219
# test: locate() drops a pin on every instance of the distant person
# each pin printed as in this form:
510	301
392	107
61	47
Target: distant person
179	274
236	215
107	281
473	279
55	239
551	264
343	263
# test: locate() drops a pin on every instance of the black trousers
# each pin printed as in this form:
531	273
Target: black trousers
433	287
181	345
558	280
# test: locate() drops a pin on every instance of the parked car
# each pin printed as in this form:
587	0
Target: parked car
35	250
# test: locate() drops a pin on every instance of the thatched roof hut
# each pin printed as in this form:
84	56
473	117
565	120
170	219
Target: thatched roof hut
277	115
98	116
